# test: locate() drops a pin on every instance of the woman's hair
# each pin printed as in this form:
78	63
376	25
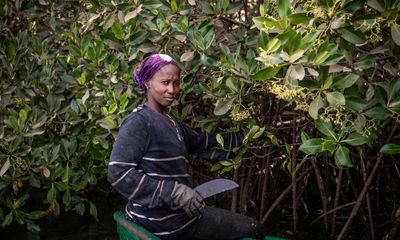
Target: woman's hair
149	66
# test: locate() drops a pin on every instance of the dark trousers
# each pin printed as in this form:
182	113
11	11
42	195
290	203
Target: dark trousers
220	224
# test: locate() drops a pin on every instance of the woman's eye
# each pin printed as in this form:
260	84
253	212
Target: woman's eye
165	82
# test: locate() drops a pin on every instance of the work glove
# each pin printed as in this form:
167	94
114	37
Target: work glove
187	199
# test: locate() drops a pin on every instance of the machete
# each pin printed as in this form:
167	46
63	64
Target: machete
215	186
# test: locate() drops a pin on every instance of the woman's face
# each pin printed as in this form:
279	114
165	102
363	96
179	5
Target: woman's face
163	87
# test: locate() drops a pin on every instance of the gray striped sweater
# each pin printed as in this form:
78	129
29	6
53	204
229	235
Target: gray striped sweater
149	158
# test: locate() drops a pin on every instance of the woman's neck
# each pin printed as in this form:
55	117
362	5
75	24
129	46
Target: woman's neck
156	107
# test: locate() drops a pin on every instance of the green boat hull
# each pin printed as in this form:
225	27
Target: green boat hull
128	230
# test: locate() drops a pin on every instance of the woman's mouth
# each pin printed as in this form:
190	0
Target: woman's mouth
171	99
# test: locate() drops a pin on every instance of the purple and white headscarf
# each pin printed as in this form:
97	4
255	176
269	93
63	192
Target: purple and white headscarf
149	66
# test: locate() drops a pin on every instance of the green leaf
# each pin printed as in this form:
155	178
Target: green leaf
93	210
394	88
395	29
395	106
353	6
220	140
355	139
328	145
232	84
296	55
223	106
225	163
342	157
80	208
325	128
133	13
315	105
332	59
149	4
36	214
378	113
299	18
117	30
82	79
296	72
366	62
283	8
234	7
351	35
5	167
335	98
273	138
355	103
8	219
327	83
108	123
390	149
359	123
259	21
250	135
259	133
380	94
67	197
321	57
32	133
327	4
112	108
52	194
376	4
23	115
174	6
139	36
345	80
304	136
206	7
216	167
187	56
266	73
273	45
312	146
224	4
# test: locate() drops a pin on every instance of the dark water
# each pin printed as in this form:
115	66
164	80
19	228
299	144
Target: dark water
71	226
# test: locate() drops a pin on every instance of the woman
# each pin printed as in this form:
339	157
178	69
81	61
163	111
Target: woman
149	166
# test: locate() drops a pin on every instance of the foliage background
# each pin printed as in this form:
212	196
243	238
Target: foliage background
316	82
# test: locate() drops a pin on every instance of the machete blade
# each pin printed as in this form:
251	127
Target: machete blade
215	186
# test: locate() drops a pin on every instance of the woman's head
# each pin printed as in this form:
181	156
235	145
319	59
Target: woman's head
149	66
159	76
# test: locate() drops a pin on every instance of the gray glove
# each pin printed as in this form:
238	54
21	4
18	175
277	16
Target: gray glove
187	199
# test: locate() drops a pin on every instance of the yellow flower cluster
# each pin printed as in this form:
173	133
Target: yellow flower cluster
315	9
302	106
239	114
266	59
369	128
285	92
376	35
20	166
333	114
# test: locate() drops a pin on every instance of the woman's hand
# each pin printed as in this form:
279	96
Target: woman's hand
187	199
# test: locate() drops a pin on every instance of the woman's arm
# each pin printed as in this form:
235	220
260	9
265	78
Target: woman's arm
202	143
123	171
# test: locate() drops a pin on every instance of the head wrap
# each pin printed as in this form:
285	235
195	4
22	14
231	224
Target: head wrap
149	66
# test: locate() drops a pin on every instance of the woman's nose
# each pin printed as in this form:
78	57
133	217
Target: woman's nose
173	89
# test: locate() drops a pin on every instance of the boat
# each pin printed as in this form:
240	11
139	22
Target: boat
128	230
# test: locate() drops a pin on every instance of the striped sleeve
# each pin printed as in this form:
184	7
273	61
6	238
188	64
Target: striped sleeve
202	143
123	172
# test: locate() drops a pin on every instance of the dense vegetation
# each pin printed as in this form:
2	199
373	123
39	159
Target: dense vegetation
316	82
